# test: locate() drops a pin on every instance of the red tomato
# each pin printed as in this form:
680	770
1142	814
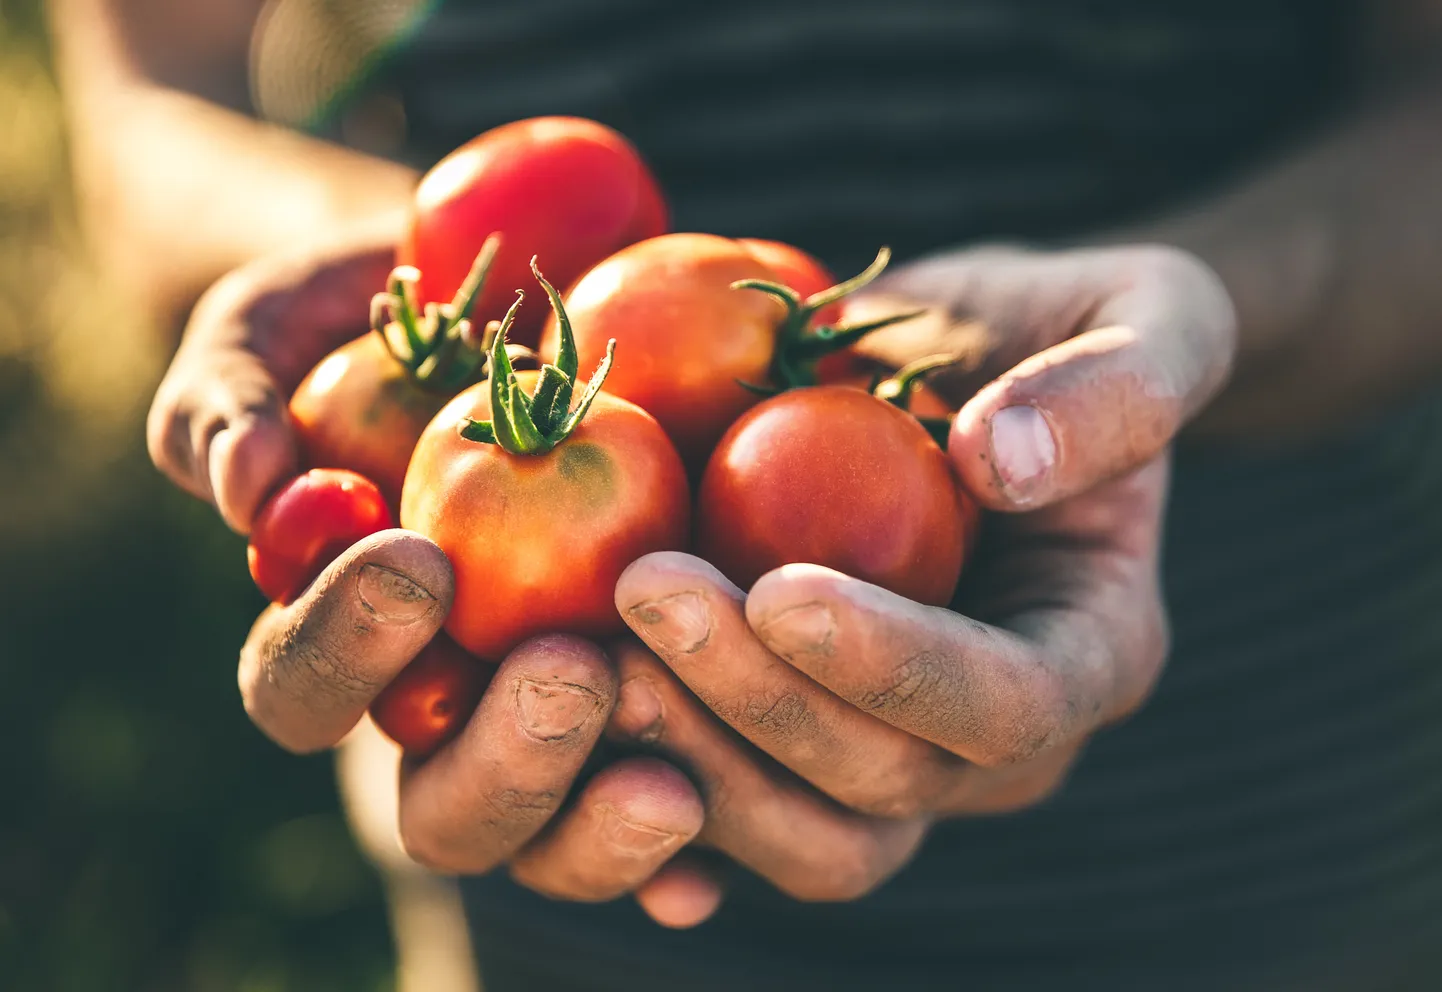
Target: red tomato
569	190
432	698
833	476
361	409
307	524
685	336
541	512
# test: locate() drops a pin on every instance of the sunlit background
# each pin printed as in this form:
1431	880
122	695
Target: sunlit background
150	838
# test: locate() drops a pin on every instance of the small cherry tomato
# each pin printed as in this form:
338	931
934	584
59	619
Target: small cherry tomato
540	503
569	190
833	476
432	698
307	524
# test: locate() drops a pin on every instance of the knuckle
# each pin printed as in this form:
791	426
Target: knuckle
780	714
915	674
898	789
847	872
509	806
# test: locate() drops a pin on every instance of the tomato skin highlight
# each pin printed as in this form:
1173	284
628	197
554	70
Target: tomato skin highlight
567	189
833	476
432	698
360	409
683	335
307	524
537	542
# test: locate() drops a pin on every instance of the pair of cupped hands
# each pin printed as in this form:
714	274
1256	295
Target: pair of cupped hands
812	728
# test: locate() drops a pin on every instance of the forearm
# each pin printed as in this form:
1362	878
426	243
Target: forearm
176	189
1332	262
183	191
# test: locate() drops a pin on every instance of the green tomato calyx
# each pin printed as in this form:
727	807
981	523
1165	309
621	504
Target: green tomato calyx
534	424
437	345
799	346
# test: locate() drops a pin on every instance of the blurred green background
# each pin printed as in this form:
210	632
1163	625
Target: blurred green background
150	838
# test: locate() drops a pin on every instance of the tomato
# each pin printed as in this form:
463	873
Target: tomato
432	698
307	524
541	512
686	336
569	190
833	476
361	409
692	337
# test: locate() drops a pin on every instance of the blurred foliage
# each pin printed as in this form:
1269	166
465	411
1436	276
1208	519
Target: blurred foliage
150	839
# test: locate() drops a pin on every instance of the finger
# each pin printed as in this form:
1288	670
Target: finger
486	793
309	670
1105	401
992	695
218	425
683	894
626	823
756	812
218	428
694	618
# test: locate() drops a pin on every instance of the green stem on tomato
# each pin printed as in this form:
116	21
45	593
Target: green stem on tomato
435	345
535	424
798	345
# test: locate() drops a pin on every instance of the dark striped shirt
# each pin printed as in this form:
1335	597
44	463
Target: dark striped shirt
1273	818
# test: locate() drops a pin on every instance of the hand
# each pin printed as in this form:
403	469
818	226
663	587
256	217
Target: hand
843	720
309	670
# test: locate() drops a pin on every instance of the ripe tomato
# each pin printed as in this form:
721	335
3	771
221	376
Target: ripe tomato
686	335
432	698
361	409
833	476
307	524
569	190
539	509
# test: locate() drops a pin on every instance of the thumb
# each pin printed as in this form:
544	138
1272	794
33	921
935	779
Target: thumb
1104	401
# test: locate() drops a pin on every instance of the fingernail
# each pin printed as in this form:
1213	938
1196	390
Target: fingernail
680	622
391	596
551	710
805	629
1022	449
639	714
631	835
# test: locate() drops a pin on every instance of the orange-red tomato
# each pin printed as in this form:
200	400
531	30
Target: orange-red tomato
538	541
569	190
684	336
361	409
432	698
307	524
833	476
